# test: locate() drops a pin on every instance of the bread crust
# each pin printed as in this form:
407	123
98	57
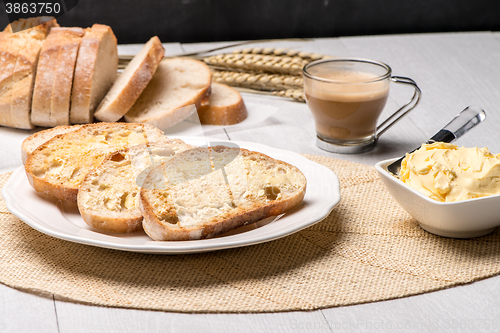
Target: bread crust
123	94
168	228
46	22
155	106
47	64
69	40
18	66
91	83
113	223
20	102
25	73
226	112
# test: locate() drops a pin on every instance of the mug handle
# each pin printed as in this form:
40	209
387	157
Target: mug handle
410	105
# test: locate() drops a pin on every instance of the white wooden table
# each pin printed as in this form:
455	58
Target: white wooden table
453	71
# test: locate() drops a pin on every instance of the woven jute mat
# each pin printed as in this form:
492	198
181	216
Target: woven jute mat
368	249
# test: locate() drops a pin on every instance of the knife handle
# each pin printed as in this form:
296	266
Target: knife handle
464	121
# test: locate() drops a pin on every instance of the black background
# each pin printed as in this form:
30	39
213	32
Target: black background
135	21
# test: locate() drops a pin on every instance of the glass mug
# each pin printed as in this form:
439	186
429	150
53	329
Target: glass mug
346	98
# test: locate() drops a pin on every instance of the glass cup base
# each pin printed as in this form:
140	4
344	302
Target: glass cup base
345	148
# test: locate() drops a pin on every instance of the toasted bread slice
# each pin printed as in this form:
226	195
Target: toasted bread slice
203	192
225	106
35	140
58	166
108	198
177	89
130	84
95	71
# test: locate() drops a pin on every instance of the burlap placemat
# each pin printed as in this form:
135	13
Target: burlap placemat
367	250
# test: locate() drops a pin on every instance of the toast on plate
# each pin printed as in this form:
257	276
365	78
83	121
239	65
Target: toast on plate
108	198
203	192
35	140
57	167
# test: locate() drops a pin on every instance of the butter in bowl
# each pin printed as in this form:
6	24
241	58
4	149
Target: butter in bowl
450	191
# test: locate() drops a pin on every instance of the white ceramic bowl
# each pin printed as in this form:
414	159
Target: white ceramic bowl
460	219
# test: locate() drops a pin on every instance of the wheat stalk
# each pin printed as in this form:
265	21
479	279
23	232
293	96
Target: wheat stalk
288	86
282	52
274	70
295	94
263	60
261	81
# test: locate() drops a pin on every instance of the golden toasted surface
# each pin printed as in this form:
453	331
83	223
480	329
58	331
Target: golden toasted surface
60	164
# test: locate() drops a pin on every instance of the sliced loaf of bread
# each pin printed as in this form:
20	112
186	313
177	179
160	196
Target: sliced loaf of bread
203	192
130	84
95	71
177	89
58	166
108	198
225	107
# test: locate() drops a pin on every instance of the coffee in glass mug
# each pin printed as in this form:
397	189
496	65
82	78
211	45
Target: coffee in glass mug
346	98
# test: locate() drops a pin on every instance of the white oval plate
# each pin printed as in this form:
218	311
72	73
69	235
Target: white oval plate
63	221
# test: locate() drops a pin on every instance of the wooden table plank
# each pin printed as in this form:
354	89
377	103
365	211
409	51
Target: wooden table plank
24	312
470	308
77	318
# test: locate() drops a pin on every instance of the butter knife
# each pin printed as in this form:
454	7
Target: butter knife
458	126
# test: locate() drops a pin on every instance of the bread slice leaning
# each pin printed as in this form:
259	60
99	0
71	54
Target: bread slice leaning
35	140
177	89
108	198
203	192
225	107
57	167
95	71
130	84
